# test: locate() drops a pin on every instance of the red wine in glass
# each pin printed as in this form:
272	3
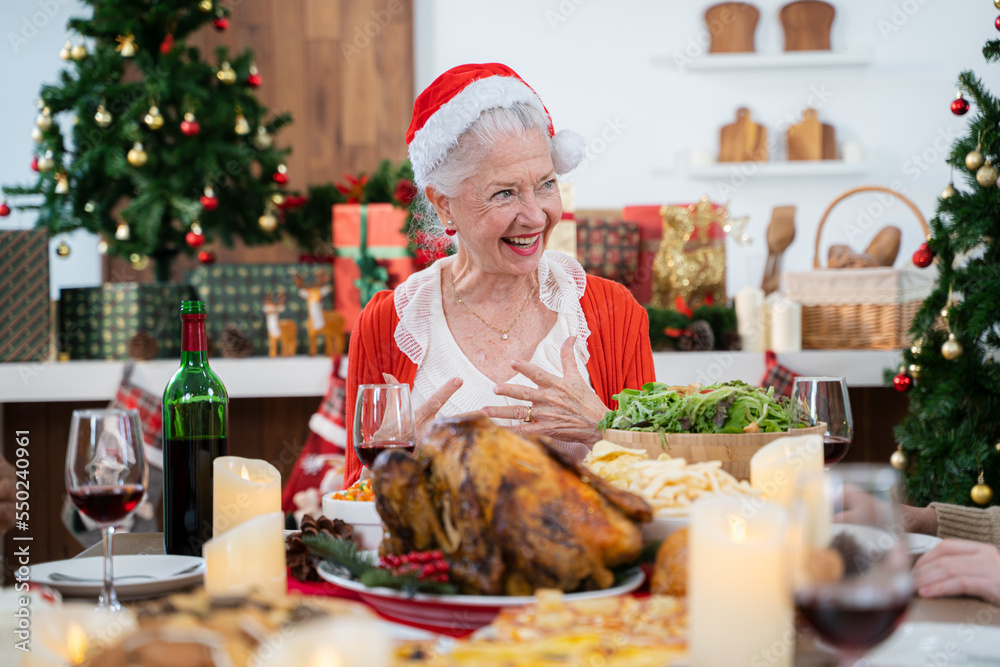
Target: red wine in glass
851	625
835	448
368	452
106	504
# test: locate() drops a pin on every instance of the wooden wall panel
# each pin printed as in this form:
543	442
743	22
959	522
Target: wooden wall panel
343	68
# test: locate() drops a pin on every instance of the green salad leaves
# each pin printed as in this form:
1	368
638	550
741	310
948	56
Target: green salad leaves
725	407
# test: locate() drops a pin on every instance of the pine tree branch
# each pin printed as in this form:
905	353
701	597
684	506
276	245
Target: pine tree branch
992	50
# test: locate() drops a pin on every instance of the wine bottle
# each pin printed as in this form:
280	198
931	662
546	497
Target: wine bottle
195	433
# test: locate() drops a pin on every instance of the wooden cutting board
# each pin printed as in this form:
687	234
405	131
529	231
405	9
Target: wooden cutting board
744	140
731	26
807	25
811	139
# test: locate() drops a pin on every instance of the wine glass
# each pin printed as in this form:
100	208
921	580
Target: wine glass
383	419
825	399
106	477
852	580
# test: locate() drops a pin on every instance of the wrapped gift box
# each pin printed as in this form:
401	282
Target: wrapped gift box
98	322
650	224
24	299
234	293
384	239
608	248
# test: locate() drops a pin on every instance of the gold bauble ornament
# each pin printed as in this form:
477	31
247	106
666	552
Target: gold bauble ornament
916	348
206	5
122	233
278	198
226	73
153	118
974	159
982	494
262	140
242	126
987	175
102	247
268	222
62	184
46	162
139	262
62	250
103	117
36	134
90	206
136	155
66	52
949	191
914	370
996	3
78	52
997	446
126	45
899	460
944	312
44	119
951	349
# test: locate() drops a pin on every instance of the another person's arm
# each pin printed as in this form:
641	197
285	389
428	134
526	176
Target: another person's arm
968	523
7	479
959	567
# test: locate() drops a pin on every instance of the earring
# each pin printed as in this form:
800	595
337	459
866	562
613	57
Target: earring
449	230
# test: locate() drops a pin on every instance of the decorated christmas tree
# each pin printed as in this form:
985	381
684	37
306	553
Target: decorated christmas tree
949	443
149	145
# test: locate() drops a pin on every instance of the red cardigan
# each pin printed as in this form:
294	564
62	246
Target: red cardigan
620	354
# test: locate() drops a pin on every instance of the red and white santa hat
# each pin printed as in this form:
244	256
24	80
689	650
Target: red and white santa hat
454	101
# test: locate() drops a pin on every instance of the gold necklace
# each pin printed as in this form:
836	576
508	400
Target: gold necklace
502	332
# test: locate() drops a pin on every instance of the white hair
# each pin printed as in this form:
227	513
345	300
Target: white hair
463	158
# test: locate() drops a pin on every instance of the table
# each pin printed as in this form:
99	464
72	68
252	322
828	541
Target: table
969	611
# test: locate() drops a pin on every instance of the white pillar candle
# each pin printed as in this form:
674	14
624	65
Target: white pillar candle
777	471
332	642
739	588
784	320
71	633
749	303
250	556
241	490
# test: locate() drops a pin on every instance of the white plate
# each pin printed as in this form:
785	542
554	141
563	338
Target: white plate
661	528
917	543
920	544
161	567
954	644
455	612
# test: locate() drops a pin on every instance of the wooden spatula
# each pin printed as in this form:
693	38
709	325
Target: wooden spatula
780	234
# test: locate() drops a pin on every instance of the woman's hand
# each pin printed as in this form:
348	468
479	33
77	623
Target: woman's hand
565	408
859	507
959	567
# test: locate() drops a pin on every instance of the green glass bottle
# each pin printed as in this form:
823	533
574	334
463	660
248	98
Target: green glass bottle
195	433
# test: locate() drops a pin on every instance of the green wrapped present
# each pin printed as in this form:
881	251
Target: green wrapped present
99	322
24	299
235	294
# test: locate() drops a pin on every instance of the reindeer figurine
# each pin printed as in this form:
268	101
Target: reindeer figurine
284	331
326	323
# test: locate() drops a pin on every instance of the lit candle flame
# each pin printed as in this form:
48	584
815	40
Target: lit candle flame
76	642
246	473
737	528
327	658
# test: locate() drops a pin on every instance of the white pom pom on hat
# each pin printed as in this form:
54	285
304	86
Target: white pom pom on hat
447	107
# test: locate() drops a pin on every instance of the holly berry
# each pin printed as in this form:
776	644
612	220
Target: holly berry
221	23
426	565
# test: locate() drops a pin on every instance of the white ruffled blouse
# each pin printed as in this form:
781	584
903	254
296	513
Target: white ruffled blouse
423	335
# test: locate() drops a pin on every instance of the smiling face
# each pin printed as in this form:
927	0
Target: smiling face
506	210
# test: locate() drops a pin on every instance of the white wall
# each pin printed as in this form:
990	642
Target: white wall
33	32
592	62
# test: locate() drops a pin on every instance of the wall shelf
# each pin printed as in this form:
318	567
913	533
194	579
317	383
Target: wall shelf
31	382
721	62
777	169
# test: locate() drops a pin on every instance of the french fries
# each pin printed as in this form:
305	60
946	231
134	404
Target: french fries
669	485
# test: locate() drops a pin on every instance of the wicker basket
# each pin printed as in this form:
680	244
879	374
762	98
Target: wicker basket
734	449
859	309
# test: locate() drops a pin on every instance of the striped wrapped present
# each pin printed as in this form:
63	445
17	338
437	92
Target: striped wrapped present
24	299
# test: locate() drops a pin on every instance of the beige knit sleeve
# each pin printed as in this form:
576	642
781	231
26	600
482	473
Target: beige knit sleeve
968	523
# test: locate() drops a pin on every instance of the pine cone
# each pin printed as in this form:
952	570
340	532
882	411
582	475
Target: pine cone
700	339
731	340
142	346
235	345
301	562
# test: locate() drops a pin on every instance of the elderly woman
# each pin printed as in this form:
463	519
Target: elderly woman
502	326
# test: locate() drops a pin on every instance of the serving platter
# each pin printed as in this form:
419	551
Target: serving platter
450	613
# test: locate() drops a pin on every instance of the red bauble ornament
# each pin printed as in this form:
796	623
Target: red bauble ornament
959	105
167	45
4	210
34	163
903	382
206	257
997	23
194	239
221	23
924	256
254	79
280	177
189	126
209	203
